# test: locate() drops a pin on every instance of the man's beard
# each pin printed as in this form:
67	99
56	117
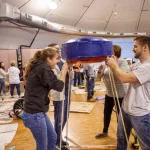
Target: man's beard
137	55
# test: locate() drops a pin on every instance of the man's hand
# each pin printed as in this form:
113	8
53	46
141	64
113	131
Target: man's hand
111	62
100	68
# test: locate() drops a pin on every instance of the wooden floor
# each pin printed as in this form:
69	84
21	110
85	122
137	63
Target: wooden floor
82	127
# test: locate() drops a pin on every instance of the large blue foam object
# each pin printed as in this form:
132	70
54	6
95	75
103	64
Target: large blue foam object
86	49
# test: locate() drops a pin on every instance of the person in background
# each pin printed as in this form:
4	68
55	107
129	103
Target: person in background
76	69
40	79
14	79
120	87
136	103
133	62
59	97
24	70
3	74
90	77
81	74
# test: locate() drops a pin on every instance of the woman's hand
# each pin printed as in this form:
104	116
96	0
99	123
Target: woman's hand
65	67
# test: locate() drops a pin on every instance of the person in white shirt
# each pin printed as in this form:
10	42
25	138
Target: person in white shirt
14	79
3	74
90	81
136	103
59	97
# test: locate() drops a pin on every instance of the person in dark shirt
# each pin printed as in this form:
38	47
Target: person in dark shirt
40	79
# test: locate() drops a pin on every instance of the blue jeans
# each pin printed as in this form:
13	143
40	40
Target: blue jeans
141	125
2	86
90	87
12	86
57	116
42	130
76	77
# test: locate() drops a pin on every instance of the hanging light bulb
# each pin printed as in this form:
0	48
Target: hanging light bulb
52	5
115	15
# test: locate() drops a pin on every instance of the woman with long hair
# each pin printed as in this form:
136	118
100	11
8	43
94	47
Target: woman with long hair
2	78
40	79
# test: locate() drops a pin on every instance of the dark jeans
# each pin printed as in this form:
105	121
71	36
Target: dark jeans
57	116
12	86
141	125
81	77
108	107
76	77
2	86
42	130
90	87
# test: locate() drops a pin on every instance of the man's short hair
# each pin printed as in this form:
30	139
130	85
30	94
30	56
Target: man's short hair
117	50
143	40
52	44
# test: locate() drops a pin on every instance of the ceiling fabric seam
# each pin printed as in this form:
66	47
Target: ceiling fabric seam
138	23
24	4
83	13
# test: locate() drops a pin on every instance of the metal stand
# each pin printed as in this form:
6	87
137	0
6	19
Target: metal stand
91	147
78	146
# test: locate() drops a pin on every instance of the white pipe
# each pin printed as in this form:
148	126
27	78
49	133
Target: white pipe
9	12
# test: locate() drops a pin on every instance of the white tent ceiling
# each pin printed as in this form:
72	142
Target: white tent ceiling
133	16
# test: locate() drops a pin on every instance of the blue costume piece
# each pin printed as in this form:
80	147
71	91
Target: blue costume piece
86	48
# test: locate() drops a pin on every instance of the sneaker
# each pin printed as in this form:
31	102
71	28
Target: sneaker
62	148
2	100
65	143
101	135
91	100
135	145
